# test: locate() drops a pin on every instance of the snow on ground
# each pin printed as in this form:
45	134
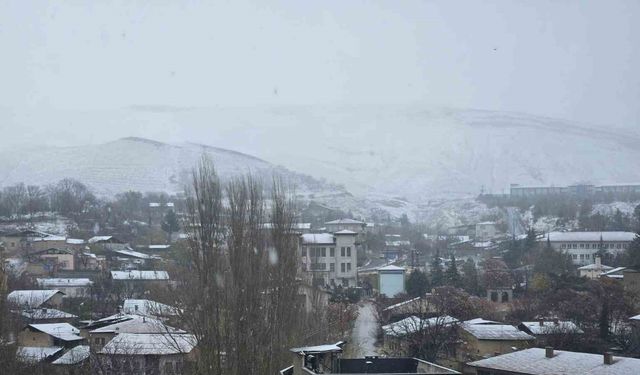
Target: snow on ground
363	337
609	209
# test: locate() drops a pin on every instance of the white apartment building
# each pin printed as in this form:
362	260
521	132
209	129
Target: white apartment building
330	258
583	246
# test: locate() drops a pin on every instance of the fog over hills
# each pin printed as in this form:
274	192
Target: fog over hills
378	154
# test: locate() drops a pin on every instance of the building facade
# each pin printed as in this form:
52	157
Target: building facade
329	259
584	246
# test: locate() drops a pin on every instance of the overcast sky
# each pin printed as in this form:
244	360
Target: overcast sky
576	60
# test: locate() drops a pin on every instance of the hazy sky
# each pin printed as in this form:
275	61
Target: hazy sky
576	60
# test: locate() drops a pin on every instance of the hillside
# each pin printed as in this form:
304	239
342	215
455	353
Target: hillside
137	164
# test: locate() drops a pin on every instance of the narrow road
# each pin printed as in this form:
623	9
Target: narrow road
363	337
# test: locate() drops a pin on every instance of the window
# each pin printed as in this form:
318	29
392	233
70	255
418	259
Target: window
574	256
348	267
563	246
594	246
575	245
304	251
332	267
342	267
332	251
618	246
582	246
324	251
345	282
318	266
348	251
342	251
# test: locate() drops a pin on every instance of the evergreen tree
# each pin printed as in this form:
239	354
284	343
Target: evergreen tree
170	223
452	276
470	276
633	252
437	276
417	283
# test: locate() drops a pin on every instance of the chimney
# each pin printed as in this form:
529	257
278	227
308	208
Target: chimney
548	352
608	358
541	322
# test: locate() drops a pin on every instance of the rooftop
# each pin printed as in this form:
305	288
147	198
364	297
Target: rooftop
534	362
150	344
45	314
137	324
590	236
63	282
73	356
503	332
62	331
139	275
317	238
31	298
148	307
344	221
551	327
31	354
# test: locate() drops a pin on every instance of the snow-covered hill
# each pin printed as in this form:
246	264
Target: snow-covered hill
137	164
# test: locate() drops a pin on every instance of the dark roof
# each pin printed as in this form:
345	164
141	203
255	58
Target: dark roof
376	365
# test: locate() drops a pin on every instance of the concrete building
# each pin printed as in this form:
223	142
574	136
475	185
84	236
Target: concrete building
583	246
73	288
537	361
481	338
345	224
391	280
330	258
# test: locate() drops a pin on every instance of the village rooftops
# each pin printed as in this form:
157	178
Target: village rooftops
138	324
550	327
590	236
140	275
33	354
46	314
535	361
64	282
344	221
62	331
502	332
31	298
318	238
150	344
73	356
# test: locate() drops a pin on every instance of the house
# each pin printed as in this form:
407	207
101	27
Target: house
329	258
47	242
87	261
107	242
148	308
72	288
49	335
543	329
56	259
15	241
391	280
31	299
326	359
397	335
345	224
485	231
47	315
616	273
73	356
594	270
536	361
126	258
137	283
34	354
583	246
127	323
481	338
157	353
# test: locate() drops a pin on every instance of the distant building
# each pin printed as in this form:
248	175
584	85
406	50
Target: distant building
74	288
482	338
593	271
345	224
536	361
485	231
391	280
32	299
543	329
583	246
330	258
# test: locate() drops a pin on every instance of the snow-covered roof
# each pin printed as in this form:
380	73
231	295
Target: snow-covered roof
414	324
548	328
62	331
317	238
73	356
344	231
134	254
158	247
138	324
327	348
615	273
139	275
480	321
487	223
75	241
636	317
533	361
32	354
31	298
391	267
96	239
63	282
495	332
403	303
590	236
148	307
595	267
344	221
48	238
44	314
150	344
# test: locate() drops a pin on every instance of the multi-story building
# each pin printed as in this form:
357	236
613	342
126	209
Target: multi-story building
583	246
330	258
